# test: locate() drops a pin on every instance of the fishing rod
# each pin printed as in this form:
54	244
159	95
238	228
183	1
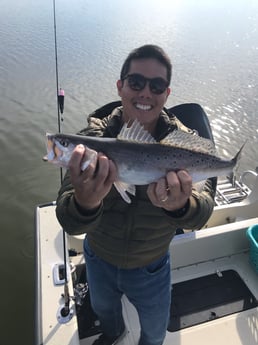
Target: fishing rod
59	91
64	313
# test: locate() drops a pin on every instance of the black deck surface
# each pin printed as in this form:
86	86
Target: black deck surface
193	302
207	298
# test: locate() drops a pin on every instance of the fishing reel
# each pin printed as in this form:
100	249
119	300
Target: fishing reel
65	312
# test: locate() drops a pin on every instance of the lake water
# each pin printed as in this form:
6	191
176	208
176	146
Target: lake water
214	49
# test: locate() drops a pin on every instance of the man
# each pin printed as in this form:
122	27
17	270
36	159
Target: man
126	247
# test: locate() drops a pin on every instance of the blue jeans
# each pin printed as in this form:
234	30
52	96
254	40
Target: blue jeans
147	288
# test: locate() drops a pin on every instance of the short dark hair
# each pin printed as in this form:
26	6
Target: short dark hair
148	51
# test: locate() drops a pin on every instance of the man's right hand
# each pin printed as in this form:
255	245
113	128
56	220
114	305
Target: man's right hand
95	182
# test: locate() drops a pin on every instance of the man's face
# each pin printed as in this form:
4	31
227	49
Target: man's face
144	104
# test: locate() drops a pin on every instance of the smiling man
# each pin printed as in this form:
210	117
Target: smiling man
144	91
127	245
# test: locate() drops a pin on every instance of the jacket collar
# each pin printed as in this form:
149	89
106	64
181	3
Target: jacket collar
166	123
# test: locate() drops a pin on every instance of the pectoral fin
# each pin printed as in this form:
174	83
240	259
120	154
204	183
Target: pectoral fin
123	189
90	156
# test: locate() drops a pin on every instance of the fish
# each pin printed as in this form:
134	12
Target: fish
140	159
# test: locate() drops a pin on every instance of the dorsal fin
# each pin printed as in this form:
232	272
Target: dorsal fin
135	132
188	141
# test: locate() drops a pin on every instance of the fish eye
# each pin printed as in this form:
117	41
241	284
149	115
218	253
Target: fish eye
64	142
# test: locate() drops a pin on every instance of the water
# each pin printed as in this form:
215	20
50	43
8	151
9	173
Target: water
214	49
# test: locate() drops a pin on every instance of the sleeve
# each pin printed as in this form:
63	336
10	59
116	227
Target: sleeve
198	209
73	220
71	217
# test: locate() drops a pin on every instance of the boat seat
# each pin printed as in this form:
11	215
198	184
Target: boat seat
193	116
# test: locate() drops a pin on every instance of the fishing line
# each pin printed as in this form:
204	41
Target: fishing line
64	313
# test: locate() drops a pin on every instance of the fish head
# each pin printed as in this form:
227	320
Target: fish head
59	150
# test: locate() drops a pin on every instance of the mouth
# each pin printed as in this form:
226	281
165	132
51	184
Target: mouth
144	107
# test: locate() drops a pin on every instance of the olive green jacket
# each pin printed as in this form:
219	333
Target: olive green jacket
131	235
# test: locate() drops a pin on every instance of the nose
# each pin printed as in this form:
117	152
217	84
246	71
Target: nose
146	92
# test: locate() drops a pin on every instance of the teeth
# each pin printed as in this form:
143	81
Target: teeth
143	106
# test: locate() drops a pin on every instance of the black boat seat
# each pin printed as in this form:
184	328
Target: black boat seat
193	116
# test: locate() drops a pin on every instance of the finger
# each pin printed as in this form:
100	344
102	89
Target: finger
112	172
173	182
185	181
157	192
102	171
89	172
74	164
90	158
161	189
151	192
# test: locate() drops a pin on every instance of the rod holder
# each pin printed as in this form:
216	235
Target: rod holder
64	314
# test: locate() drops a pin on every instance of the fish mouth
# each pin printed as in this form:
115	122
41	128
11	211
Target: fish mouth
144	107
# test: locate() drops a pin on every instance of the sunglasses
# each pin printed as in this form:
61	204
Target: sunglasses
137	82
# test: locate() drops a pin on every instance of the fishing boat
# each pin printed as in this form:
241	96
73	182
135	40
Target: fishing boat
214	271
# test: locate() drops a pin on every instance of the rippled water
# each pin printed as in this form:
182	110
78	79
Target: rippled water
214	49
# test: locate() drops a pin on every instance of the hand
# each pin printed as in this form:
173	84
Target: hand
172	191
95	182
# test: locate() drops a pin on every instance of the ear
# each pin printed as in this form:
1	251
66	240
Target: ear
168	92
119	85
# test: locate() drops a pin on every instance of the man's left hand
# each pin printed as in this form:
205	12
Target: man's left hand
172	191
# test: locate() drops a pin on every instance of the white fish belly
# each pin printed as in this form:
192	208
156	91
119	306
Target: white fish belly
200	175
138	176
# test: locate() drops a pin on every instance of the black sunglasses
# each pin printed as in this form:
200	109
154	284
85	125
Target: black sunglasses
137	82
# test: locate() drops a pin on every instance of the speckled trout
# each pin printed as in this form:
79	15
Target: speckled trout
140	159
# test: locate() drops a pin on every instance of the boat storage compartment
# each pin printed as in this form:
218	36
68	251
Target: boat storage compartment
207	298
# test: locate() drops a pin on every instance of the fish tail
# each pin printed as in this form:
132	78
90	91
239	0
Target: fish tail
235	160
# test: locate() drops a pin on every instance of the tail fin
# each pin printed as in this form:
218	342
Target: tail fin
235	160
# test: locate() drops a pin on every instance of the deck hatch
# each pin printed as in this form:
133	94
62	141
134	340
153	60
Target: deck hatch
207	298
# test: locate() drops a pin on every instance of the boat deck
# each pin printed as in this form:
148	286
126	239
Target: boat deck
236	329
194	255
